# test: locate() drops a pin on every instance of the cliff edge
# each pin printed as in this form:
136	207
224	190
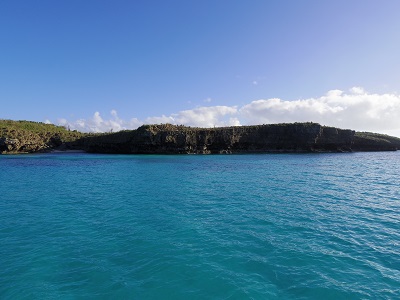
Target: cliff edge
31	137
295	137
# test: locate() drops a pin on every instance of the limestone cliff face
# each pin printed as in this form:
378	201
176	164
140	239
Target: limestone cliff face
171	139
16	145
30	137
31	143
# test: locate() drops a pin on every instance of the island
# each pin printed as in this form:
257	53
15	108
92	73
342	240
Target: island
32	137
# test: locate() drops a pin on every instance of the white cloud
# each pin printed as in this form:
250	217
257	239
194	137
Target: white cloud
97	124
205	116
61	122
356	109
159	120
114	113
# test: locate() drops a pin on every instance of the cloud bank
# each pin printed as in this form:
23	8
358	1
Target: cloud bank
355	109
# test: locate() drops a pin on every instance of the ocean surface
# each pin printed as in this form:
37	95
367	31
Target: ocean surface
273	226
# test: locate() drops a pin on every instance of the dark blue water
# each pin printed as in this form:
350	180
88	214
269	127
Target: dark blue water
305	226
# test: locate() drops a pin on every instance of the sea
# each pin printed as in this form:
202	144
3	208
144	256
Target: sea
262	226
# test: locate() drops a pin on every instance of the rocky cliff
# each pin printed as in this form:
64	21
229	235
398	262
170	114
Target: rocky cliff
171	139
29	137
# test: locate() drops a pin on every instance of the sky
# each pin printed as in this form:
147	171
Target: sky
98	65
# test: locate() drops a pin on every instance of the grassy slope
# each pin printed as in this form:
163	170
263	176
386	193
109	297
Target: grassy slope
11	128
35	136
377	137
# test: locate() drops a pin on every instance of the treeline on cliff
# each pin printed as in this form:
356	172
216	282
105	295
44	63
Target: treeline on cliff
30	137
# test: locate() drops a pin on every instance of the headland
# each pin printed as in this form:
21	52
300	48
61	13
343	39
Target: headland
34	137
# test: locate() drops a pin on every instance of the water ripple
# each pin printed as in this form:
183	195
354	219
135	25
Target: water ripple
321	226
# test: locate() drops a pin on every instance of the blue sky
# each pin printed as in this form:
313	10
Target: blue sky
98	64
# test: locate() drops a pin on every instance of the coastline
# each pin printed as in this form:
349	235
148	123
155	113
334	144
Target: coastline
18	137
55	151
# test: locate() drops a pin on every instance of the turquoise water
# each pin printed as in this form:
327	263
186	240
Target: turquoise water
287	226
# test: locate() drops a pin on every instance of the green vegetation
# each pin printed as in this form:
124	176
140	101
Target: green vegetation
37	128
29	137
171	127
32	126
26	136
377	137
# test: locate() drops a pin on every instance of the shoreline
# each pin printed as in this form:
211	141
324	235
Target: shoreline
66	151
